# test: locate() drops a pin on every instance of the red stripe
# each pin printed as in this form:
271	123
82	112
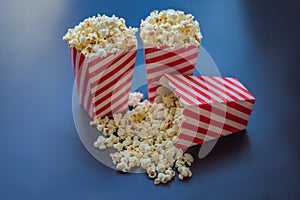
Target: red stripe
189	138
205	88
110	103
180	146
97	60
229	88
107	67
222	90
199	129
74	52
112	89
153	88
116	109
113	80
108	74
109	113
236	85
85	86
183	60
239	107
223	113
187	99
179	60
183	79
81	59
211	121
187	70
165	53
154	49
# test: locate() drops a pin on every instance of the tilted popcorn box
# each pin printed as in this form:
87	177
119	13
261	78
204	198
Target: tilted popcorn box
104	83
165	60
213	106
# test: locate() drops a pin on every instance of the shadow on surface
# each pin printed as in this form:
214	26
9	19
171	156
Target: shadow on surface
226	148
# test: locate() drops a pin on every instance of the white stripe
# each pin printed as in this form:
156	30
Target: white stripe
245	104
160	51
117	64
172	59
198	135
209	79
111	108
119	73
122	100
206	126
169	70
211	88
182	93
203	90
72	60
108	59
91	111
88	90
102	62
83	70
222	120
188	88
77	60
237	82
167	50
120	82
236	88
105	102
231	110
184	102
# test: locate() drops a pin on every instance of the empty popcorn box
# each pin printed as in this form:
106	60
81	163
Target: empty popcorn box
104	83
213	106
164	60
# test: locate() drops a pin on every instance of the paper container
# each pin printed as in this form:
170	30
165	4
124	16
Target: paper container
213	106
104	83
164	60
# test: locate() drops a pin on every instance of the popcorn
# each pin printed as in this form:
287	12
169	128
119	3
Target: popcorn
170	28
100	35
145	137
100	143
184	172
135	98
145	163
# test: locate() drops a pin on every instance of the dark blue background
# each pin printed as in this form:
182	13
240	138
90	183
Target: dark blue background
41	156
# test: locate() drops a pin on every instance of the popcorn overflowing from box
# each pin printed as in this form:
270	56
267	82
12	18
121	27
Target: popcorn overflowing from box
182	110
171	41
213	106
103	53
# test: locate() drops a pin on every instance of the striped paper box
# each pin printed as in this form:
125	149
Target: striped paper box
104	83
164	60
213	106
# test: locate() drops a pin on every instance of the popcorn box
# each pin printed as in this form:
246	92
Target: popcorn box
164	60
104	83
213	106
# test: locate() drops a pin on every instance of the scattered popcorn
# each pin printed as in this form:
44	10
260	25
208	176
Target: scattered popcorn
135	98
145	137
100	35
170	28
184	172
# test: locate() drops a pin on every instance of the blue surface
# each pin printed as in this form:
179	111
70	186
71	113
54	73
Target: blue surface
41	155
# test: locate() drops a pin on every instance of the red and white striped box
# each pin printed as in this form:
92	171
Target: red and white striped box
213	106
164	60
104	83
